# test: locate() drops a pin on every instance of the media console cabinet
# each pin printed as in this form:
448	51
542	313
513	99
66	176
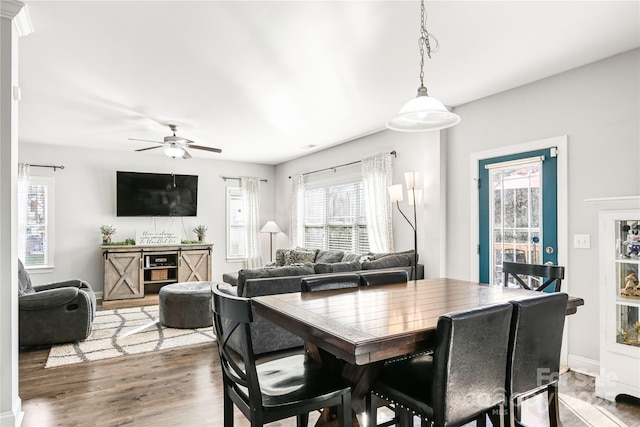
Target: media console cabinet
128	269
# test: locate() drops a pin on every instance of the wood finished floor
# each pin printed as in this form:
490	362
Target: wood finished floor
182	387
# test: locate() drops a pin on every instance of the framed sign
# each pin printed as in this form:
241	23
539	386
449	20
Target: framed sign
162	237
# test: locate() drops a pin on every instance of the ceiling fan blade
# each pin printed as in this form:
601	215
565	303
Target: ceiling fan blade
146	140
186	155
148	148
200	147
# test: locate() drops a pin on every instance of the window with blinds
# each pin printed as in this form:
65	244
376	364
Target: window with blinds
235	225
38	251
335	217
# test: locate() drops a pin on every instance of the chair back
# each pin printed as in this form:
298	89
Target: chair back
232	317
320	282
382	277
535	341
553	274
469	363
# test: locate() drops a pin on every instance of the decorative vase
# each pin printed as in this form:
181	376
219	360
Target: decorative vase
106	239
201	237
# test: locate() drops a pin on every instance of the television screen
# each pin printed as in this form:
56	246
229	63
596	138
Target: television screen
154	194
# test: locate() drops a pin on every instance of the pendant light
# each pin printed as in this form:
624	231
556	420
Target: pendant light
423	113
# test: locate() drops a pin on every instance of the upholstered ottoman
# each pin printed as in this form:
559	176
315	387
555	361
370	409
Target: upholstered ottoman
186	305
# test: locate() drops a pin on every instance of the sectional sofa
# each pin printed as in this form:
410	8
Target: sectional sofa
282	278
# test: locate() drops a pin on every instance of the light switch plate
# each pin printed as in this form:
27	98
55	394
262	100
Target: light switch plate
582	241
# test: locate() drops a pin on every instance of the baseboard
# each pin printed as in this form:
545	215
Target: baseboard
12	418
584	366
98	296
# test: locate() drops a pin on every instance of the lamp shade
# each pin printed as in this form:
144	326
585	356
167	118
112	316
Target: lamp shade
412	179
423	113
270	227
395	192
173	151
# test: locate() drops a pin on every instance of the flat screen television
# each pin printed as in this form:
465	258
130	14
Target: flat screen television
155	194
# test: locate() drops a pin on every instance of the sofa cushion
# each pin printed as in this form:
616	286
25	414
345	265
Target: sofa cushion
388	262
351	256
329	257
371	256
281	254
337	267
288	270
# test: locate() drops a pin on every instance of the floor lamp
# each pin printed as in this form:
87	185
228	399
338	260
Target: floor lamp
414	196
272	228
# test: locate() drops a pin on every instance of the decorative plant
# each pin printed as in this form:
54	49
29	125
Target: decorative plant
107	231
636	329
200	231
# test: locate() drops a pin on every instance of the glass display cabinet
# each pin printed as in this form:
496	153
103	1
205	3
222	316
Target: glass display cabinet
619	298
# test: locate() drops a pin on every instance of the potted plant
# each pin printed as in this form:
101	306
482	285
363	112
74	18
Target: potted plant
107	231
200	231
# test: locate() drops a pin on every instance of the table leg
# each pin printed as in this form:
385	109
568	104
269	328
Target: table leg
360	376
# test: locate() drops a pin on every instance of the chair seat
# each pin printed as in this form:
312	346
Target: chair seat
294	380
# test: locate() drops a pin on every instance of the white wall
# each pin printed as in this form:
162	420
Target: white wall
85	197
598	107
415	151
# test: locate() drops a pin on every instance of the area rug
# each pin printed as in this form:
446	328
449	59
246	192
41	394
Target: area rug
123	332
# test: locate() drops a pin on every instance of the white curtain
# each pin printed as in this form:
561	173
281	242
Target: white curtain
251	207
23	189
377	175
296	232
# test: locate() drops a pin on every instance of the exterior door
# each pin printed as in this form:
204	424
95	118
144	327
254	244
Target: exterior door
518	218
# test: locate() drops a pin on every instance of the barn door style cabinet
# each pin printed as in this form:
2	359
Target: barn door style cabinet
129	269
619	297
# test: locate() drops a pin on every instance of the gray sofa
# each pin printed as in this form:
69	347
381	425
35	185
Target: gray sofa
249	283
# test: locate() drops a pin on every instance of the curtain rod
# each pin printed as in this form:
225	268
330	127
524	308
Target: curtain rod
238	178
393	153
54	167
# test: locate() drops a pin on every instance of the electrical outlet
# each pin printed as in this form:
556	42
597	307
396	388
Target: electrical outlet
582	241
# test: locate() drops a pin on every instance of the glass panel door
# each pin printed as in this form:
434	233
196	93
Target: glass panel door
518	212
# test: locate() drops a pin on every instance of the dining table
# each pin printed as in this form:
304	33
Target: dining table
356	330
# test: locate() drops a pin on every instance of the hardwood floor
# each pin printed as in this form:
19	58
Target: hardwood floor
182	387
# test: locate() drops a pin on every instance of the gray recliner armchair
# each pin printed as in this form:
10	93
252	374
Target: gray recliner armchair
55	312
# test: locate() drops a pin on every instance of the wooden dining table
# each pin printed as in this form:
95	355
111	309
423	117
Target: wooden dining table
356	330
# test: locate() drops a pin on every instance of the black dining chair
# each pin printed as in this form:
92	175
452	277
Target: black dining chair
552	273
382	277
321	282
535	341
275	389
464	378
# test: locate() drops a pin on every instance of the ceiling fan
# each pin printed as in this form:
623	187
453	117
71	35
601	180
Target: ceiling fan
176	146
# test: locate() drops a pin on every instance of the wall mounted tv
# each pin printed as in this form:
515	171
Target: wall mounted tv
155	194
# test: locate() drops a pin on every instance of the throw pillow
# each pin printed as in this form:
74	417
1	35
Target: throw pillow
300	257
350	256
281	255
329	257
337	267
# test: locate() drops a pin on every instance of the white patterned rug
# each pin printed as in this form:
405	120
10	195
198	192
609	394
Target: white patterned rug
126	331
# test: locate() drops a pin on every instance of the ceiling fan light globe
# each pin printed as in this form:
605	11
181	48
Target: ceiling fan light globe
173	152
423	113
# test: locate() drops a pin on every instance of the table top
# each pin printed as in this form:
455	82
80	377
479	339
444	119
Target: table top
374	323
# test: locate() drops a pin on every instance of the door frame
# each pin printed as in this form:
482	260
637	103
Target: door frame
561	143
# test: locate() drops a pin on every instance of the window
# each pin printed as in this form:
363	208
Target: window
38	244
235	225
335	217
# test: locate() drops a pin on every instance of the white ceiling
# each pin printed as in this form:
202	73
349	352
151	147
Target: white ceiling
264	81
